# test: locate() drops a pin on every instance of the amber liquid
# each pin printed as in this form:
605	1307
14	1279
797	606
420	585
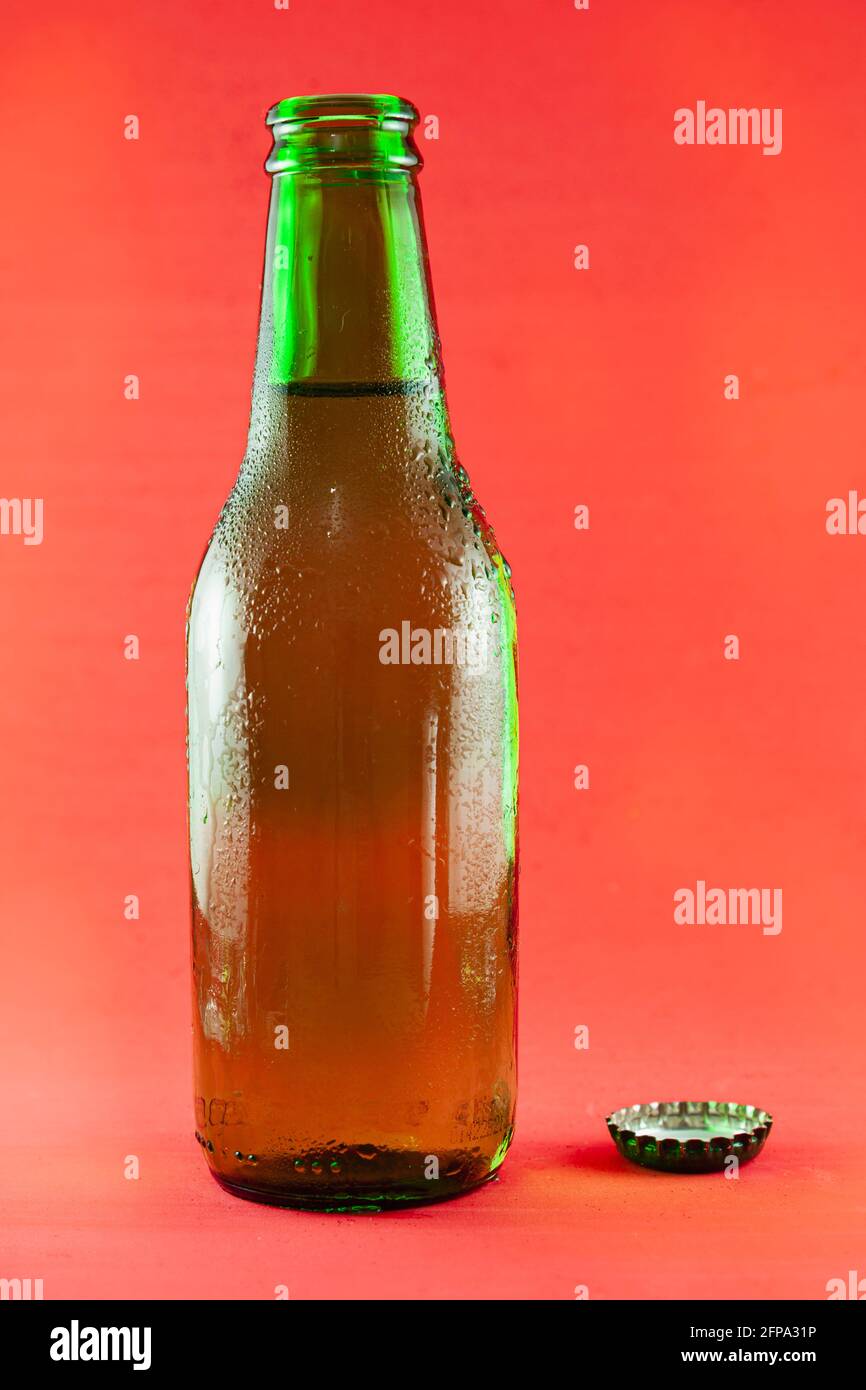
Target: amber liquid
353	820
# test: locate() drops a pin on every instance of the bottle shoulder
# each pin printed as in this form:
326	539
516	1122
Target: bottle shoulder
294	552
421	519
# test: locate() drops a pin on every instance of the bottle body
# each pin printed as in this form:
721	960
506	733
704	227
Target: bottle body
352	770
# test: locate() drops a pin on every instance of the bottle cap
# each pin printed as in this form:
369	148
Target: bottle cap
689	1136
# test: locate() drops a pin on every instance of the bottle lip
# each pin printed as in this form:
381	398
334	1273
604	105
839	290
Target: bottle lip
340	108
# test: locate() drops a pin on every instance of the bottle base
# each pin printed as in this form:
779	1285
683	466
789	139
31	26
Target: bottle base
344	1203
360	1179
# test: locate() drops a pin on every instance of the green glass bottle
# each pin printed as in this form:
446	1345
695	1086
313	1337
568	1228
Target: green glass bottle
352	718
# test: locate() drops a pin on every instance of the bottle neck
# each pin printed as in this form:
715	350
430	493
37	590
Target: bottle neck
346	299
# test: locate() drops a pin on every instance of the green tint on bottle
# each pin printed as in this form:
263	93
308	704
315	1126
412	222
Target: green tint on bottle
344	231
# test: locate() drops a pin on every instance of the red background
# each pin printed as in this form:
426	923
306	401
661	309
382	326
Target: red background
707	518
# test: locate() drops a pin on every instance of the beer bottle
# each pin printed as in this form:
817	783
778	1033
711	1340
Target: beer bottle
352	722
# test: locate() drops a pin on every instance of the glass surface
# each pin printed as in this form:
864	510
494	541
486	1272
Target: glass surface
352	723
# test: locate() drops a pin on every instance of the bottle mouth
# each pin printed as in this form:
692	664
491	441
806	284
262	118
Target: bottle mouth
341	109
352	135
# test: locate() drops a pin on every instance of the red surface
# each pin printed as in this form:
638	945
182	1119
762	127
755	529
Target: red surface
707	518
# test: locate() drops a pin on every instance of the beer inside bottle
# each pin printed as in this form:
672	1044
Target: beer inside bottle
352	713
